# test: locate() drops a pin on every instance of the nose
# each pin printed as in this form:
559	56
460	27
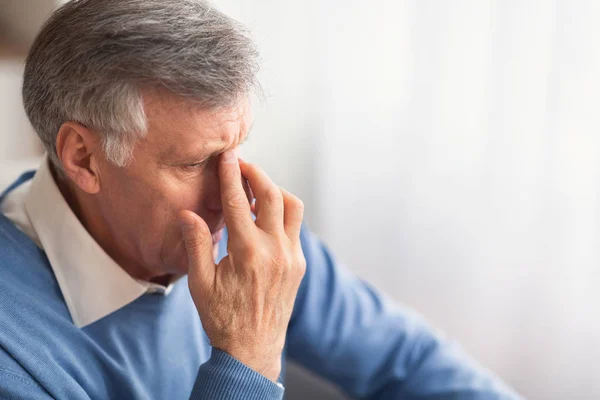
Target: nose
213	200
213	203
214	208
212	190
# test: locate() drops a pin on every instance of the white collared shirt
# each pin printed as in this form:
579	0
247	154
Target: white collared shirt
92	283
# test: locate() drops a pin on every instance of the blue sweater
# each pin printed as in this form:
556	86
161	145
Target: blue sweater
155	347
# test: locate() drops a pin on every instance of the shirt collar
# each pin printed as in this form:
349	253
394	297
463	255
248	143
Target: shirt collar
92	283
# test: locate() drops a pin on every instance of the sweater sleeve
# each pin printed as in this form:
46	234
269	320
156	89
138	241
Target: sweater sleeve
14	386
373	348
223	377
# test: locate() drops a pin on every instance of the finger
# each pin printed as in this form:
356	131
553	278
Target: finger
199	246
293	214
269	200
236	209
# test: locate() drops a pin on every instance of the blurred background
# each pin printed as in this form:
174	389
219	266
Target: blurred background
446	150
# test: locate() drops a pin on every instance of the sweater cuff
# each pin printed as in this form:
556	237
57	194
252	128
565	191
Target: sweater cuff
223	377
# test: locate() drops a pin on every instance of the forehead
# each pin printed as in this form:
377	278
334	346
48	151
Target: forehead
178	126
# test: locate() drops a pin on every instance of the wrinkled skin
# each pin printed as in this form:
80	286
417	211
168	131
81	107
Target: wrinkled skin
160	217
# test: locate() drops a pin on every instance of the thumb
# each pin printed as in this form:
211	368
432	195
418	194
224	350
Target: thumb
198	243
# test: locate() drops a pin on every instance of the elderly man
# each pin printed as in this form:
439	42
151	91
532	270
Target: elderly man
135	263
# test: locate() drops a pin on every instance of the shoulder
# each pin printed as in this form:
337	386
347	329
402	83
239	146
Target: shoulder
12	206
28	283
21	260
15	245
30	303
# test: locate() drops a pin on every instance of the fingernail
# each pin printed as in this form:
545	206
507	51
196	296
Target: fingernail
229	157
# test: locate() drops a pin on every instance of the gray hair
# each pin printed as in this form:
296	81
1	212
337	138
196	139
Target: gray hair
93	59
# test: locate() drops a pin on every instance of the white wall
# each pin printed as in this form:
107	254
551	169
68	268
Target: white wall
19	146
21	19
456	149
284	136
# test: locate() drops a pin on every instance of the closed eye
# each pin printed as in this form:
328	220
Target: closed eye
194	166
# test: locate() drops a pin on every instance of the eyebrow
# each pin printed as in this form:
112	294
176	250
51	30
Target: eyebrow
193	158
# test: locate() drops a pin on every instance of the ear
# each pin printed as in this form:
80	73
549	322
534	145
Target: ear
78	149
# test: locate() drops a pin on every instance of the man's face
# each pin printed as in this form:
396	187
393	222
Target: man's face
174	168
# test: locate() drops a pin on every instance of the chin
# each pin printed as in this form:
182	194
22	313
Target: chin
177	263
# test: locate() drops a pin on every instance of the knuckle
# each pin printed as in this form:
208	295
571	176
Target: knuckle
193	249
256	256
298	205
282	259
273	196
234	200
300	262
195	241
294	205
301	265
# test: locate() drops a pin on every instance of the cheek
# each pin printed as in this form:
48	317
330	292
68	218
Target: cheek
155	199
143	209
190	198
188	195
175	195
198	192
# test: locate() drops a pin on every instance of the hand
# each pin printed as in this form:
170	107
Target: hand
245	302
